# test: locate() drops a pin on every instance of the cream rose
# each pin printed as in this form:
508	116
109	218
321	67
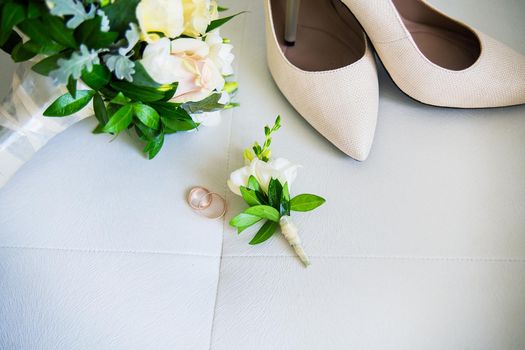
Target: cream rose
280	169
163	16
205	78
197	16
184	61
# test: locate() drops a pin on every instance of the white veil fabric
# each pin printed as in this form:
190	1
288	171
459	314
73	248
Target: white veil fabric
23	128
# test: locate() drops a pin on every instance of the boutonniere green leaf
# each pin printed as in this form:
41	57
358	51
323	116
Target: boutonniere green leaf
266	191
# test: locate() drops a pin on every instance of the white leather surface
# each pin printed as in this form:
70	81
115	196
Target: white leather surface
421	246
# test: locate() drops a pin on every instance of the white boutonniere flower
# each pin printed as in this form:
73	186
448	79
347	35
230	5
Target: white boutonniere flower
264	184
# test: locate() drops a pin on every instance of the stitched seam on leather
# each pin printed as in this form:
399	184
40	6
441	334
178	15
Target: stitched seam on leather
342	257
393	257
224	223
110	251
228	158
434	65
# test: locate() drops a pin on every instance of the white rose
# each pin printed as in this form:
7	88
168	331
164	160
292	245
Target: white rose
164	16
280	169
220	53
197	17
163	67
184	61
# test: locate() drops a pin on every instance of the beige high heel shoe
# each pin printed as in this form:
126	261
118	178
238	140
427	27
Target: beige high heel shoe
438	60
326	70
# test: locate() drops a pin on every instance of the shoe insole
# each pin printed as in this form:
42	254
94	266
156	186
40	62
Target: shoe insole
328	35
442	40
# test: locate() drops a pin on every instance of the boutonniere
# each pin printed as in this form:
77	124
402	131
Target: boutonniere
265	185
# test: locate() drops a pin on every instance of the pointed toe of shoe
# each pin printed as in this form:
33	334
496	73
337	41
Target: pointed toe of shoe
339	100
341	105
499	74
344	111
349	126
512	86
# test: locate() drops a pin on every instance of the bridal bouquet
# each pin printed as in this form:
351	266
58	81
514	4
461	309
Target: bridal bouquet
265	185
155	67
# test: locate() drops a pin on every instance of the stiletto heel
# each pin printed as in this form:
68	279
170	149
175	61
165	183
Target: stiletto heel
292	14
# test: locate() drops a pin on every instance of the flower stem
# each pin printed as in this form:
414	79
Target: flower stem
290	232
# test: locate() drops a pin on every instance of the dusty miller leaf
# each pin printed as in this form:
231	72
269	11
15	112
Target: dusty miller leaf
133	37
73	66
122	66
104	24
72	8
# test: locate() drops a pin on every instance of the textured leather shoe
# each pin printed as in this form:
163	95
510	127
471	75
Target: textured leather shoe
438	60
329	75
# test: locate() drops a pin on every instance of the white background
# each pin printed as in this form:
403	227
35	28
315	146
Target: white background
420	247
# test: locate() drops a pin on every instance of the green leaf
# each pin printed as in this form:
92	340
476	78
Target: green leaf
209	104
13	40
99	107
264	211
39	34
285	199
274	193
97	78
89	34
250	196
219	22
171	110
144	132
59	32
121	14
253	184
147	115
36	9
120	99
178	124
66	104
120	120
265	232
12	14
169	91
72	87
142	78
138	93
48	49
306	202
243	221
20	53
48	64
154	146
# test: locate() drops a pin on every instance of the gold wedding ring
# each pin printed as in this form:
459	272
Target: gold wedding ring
206	203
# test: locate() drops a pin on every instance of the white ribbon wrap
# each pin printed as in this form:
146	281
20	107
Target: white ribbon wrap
23	128
291	233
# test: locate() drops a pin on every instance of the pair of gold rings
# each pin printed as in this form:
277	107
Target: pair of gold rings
207	203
